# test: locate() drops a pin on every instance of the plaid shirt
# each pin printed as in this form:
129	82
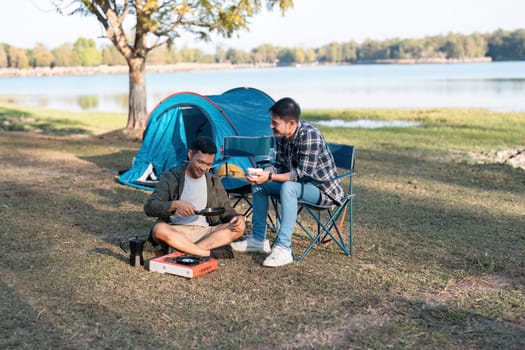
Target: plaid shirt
307	157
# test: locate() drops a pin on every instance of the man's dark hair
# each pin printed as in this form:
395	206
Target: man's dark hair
204	144
287	109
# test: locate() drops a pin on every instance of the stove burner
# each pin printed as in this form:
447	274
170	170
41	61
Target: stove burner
187	259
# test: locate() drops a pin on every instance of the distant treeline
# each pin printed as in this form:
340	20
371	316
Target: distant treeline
499	45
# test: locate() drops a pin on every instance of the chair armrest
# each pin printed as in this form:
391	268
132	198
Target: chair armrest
263	163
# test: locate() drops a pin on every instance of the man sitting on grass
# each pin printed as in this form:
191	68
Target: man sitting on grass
182	191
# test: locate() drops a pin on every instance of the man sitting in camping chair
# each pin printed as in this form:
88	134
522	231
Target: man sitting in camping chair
180	194
304	170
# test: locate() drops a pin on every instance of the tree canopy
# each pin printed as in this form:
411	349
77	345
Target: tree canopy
155	23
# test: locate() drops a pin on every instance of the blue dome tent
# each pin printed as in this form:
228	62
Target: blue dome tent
180	118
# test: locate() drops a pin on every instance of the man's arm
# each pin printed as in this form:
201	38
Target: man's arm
161	202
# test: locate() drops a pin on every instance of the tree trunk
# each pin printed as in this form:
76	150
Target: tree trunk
137	96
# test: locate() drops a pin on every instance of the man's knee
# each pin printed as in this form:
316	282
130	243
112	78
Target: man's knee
237	234
160	232
234	234
290	189
258	190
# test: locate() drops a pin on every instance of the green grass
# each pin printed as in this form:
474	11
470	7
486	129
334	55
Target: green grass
439	246
441	130
15	118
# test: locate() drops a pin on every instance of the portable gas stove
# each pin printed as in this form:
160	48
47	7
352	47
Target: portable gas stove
184	265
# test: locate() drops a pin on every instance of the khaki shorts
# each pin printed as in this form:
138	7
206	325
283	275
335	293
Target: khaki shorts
193	232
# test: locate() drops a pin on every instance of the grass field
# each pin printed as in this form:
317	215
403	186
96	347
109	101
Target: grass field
438	263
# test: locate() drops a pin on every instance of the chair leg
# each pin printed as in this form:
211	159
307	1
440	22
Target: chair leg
238	199
331	230
350	228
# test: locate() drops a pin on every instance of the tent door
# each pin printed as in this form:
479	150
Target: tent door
196	123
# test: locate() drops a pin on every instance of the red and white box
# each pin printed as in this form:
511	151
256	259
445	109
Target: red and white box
167	264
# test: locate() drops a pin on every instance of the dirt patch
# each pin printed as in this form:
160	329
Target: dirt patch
313	337
514	157
460	290
123	135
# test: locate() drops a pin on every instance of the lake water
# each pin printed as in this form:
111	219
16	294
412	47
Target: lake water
499	86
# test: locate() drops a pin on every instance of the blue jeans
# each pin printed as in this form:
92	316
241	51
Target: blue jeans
289	193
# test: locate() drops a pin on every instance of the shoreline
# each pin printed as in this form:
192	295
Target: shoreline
188	67
121	69
427	60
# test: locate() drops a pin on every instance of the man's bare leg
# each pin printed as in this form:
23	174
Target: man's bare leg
219	237
169	235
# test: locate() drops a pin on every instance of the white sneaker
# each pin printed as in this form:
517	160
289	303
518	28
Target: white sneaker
250	245
280	256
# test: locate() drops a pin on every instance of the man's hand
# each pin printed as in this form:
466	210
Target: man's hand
237	223
259	178
183	208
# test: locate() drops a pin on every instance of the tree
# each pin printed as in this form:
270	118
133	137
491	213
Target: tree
310	55
42	56
220	54
87	51
18	58
286	57
111	57
372	50
3	57
265	53
162	21
299	54
65	56
236	56
507	45
496	48
475	45
517	39
349	51
159	55
453	46
334	52
194	55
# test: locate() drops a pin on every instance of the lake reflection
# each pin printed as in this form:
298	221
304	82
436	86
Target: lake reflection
497	86
78	103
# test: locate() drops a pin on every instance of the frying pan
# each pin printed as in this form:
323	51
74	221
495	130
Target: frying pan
210	211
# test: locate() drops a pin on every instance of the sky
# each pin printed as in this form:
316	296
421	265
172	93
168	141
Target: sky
310	24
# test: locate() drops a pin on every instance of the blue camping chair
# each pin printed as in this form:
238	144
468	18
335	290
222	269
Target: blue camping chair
255	148
329	220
